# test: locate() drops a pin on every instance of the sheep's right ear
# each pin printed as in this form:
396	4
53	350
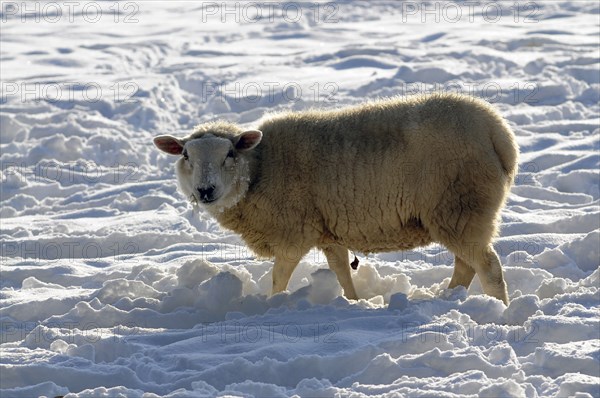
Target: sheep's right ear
169	144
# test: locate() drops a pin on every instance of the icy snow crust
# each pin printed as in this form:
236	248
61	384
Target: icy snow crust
112	286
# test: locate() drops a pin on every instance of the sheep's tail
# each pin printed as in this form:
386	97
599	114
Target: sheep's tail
505	146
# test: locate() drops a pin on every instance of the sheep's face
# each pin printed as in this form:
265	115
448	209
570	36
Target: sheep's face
212	171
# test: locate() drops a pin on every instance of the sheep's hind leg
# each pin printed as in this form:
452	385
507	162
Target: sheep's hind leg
337	258
487	266
463	273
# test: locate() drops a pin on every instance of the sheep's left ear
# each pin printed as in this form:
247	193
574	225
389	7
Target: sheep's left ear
248	140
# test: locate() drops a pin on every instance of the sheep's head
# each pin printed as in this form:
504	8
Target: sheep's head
213	170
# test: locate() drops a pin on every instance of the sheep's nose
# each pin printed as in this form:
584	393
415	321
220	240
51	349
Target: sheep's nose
206	194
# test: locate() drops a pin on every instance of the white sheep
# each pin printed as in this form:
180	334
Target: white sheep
383	176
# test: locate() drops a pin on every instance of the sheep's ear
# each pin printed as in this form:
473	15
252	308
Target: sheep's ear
248	140
169	144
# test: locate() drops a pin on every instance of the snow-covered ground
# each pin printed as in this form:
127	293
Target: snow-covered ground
112	286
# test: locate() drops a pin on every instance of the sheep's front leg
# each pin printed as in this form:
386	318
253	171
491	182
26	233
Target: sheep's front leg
282	271
337	258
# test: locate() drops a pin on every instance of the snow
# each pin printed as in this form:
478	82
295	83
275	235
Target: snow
112	286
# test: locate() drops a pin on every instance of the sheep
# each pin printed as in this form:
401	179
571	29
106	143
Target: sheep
387	175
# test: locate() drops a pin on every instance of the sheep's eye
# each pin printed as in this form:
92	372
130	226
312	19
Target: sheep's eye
185	155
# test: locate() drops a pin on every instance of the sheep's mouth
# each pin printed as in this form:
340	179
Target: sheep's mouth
195	200
207	201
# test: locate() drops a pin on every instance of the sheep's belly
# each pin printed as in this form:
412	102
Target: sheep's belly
384	238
